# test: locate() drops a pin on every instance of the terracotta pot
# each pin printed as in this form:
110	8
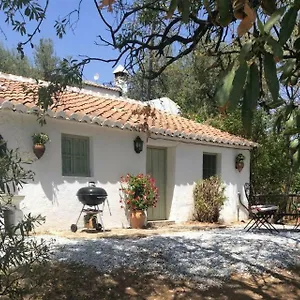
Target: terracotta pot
39	150
239	166
137	219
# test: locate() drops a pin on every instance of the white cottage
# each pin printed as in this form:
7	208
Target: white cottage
91	139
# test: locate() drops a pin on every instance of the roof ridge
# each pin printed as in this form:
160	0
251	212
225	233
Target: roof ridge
19	78
84	91
70	88
33	80
94	84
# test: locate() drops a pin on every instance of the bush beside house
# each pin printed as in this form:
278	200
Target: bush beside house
208	198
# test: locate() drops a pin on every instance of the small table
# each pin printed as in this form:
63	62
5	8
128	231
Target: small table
282	213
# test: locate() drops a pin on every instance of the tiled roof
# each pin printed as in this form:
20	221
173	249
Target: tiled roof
87	106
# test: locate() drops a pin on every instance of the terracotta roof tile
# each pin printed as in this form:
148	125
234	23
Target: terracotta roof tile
115	109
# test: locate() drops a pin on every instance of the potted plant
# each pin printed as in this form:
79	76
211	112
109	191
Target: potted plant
138	193
39	141
239	162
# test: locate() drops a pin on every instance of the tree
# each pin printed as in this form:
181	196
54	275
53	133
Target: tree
46	62
192	84
11	63
186	83
272	159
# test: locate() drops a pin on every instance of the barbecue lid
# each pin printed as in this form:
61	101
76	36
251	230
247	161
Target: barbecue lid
92	191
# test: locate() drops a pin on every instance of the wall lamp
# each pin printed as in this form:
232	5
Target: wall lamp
138	144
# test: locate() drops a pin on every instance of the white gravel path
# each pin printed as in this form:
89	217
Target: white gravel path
204	256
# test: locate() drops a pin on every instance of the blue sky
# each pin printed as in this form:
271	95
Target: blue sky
81	42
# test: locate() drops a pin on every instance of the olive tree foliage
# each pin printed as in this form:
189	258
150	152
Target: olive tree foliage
18	252
10	62
45	61
191	82
272	168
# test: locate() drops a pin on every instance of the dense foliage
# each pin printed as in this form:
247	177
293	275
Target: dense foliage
185	82
208	199
11	62
272	167
45	61
19	253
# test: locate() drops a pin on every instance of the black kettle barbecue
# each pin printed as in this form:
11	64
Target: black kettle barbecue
93	197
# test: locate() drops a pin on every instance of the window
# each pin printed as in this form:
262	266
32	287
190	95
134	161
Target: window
209	165
75	155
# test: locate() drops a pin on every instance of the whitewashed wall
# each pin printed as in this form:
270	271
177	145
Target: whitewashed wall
112	155
101	90
184	168
53	195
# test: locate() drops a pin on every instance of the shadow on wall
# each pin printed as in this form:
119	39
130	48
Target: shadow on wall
233	190
50	177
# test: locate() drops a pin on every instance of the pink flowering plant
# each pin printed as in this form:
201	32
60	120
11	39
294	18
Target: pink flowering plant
138	192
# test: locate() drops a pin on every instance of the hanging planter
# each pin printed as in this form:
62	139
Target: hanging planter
39	141
239	162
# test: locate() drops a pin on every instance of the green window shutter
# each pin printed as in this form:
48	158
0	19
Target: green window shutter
66	155
209	165
75	156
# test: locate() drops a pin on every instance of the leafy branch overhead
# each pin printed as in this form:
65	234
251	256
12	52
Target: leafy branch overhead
261	39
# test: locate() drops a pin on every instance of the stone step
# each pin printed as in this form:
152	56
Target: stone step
160	223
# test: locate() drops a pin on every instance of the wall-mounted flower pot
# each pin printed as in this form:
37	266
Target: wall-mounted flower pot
239	161
239	166
39	150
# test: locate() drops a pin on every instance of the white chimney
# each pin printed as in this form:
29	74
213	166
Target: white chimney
121	77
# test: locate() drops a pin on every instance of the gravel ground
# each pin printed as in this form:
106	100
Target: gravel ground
207	257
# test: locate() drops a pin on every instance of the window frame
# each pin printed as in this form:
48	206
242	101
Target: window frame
74	172
215	155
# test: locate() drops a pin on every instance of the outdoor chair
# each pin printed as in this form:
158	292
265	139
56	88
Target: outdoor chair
295	211
290	208
259	213
297	225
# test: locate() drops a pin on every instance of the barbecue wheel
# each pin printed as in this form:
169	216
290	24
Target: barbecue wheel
73	227
98	227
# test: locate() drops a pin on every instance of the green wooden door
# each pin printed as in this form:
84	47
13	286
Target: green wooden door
156	167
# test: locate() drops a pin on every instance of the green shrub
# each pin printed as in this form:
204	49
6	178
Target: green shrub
208	199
